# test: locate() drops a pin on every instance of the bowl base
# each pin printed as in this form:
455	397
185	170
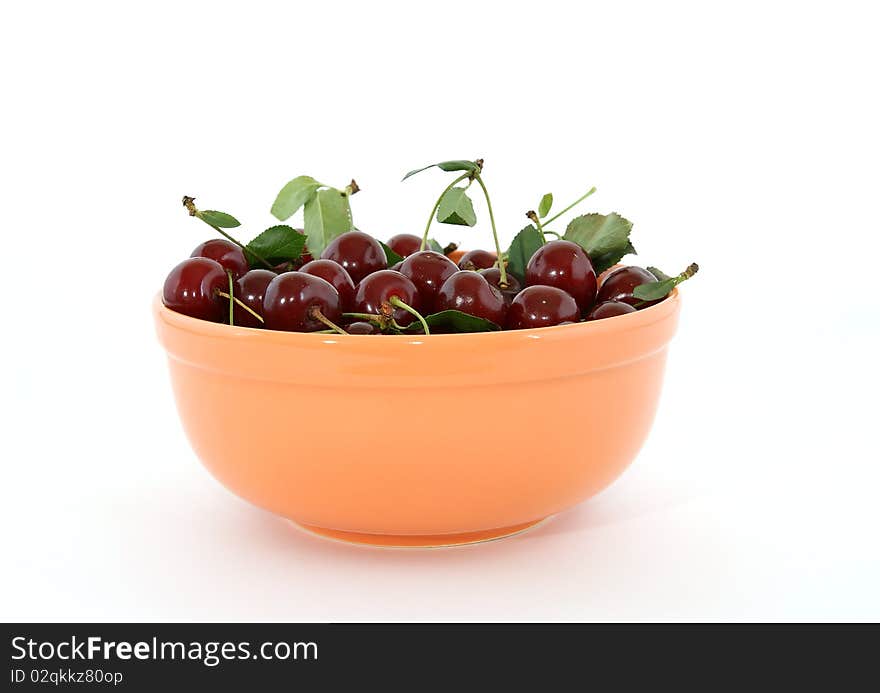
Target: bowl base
419	541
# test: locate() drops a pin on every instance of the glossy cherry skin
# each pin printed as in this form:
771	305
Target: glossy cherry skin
405	244
291	299
608	309
470	293
336	274
359	253
361	327
250	290
477	260
493	276
541	306
619	285
428	270
378	288
229	255
566	266
191	288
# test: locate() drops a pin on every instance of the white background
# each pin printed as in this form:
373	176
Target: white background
741	135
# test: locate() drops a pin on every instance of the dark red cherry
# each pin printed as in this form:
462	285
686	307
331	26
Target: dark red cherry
428	270
566	266
470	293
250	290
493	276
619	285
541	306
191	288
608	309
293	297
405	244
359	253
334	273
229	255
378	288
477	260
361	327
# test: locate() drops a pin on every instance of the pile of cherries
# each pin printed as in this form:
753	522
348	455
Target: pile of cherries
351	289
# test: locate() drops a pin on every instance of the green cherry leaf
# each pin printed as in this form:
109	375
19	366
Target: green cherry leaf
524	245
456	165
276	244
604	237
293	196
391	257
221	219
603	262
454	321
435	246
654	291
326	216
661	276
456	208
546	204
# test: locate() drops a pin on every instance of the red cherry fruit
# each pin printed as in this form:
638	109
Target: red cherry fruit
250	289
541	306
608	309
470	293
493	276
334	273
359	253
619	285
378	289
477	260
428	270
405	244
292	298
566	266
229	255
191	288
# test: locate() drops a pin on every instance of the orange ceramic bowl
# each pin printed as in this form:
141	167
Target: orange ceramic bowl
414	440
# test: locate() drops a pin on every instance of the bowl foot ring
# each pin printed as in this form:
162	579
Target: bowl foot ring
424	541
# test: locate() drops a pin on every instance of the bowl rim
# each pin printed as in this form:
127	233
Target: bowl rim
641	318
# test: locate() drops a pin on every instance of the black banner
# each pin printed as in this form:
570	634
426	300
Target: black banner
147	657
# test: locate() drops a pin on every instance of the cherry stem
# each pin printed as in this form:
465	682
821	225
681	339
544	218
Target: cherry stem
553	233
315	312
576	202
437	206
395	301
189	203
231	303
502	279
244	305
534	217
364	316
691	270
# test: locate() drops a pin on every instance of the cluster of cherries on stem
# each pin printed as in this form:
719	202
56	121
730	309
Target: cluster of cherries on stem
350	289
